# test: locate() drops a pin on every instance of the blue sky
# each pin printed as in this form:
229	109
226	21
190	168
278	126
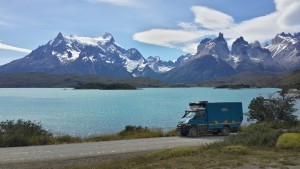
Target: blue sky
165	28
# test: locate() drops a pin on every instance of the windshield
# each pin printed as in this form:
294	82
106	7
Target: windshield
189	114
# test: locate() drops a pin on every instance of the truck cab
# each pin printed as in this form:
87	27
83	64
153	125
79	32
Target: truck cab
216	118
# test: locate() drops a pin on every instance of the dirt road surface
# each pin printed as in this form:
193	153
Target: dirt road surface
16	156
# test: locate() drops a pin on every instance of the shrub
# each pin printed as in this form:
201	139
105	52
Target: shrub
261	134
133	129
289	141
239	149
67	139
23	133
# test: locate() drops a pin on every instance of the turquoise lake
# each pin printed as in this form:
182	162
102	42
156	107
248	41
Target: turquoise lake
88	112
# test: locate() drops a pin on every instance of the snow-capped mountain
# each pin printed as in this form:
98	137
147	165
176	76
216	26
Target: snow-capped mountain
285	49
209	62
214	59
103	56
84	55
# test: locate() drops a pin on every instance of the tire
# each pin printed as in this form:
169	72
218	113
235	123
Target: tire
215	133
193	132
183	134
225	131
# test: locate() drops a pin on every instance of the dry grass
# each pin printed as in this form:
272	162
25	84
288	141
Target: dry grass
204	157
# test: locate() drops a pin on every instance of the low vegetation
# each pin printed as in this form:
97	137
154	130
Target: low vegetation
234	86
43	80
23	133
289	141
26	133
102	86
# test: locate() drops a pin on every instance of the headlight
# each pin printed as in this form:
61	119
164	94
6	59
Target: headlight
187	121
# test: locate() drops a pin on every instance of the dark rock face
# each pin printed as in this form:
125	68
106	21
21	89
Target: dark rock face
252	57
199	68
216	47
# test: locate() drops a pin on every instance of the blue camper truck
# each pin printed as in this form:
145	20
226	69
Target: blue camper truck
216	118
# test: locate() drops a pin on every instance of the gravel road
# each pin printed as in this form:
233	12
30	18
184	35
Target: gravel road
19	155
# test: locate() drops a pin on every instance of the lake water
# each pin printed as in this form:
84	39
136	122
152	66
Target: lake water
88	112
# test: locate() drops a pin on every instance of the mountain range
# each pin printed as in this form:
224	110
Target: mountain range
104	57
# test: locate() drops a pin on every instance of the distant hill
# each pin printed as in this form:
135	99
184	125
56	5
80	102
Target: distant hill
42	80
258	79
253	79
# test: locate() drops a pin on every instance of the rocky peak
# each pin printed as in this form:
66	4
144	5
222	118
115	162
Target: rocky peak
134	54
297	35
183	59
240	41
256	44
107	36
240	48
286	34
204	41
60	38
220	38
152	59
216	47
284	38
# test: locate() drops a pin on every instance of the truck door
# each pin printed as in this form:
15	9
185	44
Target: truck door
201	120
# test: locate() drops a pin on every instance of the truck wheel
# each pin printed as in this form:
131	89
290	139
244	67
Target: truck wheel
183	134
193	132
215	133
225	131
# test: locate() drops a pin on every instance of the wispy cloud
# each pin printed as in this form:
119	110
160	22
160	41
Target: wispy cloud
208	22
211	19
128	3
13	48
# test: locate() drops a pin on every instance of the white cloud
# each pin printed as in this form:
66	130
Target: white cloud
129	3
208	22
180	38
190	48
289	18
212	19
188	26
13	48
260	28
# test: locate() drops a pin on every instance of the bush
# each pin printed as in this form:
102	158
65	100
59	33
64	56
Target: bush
67	139
289	141
261	134
274	109
239	149
133	129
23	133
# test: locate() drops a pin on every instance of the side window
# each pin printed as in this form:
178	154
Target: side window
200	114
